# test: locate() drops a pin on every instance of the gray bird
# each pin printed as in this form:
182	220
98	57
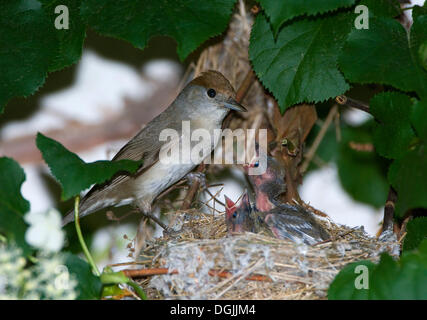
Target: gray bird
204	102
285	221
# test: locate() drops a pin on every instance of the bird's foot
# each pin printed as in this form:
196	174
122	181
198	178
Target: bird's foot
156	220
200	177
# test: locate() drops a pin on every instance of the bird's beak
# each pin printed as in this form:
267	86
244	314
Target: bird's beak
234	105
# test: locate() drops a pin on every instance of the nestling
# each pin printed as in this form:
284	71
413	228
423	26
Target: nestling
285	221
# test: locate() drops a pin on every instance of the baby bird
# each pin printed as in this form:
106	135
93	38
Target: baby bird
285	221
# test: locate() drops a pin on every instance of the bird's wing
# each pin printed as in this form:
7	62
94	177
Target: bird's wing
144	146
296	224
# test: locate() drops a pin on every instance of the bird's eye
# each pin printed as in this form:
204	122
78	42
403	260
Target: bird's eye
256	164
235	215
211	93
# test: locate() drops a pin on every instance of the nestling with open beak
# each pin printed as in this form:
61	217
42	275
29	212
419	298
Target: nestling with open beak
267	186
204	102
285	221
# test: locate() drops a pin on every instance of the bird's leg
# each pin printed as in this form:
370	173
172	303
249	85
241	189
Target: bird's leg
195	179
200	177
155	219
145	209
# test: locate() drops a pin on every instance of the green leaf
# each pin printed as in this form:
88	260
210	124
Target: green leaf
301	65
89	285
408	175
384	55
419	11
418	43
281	11
383	8
362	173
70	41
416	232
403	279
343	286
189	22
394	133
73	173
422	55
418	118
12	205
27	47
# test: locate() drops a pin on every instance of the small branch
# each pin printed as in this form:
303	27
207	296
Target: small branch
389	210
316	143
346	101
213	273
291	193
244	87
192	191
334	239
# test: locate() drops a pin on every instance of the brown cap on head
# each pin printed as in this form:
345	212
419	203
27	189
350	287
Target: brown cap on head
215	80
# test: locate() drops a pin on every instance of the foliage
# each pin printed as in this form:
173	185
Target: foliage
73	173
189	22
303	56
12	205
416	233
361	172
389	279
282	11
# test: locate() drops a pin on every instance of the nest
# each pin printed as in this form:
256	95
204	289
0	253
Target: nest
204	263
198	260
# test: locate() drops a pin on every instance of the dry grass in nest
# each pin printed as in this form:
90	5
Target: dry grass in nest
207	264
199	261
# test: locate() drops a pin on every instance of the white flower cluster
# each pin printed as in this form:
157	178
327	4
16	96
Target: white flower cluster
45	230
48	278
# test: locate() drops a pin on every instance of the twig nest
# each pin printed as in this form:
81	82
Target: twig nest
209	265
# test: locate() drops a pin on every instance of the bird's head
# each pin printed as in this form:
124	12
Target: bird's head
238	218
269	185
212	95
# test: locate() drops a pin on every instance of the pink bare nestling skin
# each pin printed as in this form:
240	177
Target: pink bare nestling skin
285	221
267	186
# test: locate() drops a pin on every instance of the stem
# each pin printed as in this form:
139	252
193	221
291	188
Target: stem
316	143
81	239
346	101
389	210
137	289
212	272
407	8
111	278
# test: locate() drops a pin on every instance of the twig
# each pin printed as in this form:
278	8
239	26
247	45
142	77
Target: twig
346	101
244	87
389	210
213	197
333	239
213	273
316	143
192	191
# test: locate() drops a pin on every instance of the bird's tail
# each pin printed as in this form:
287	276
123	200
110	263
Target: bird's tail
86	207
